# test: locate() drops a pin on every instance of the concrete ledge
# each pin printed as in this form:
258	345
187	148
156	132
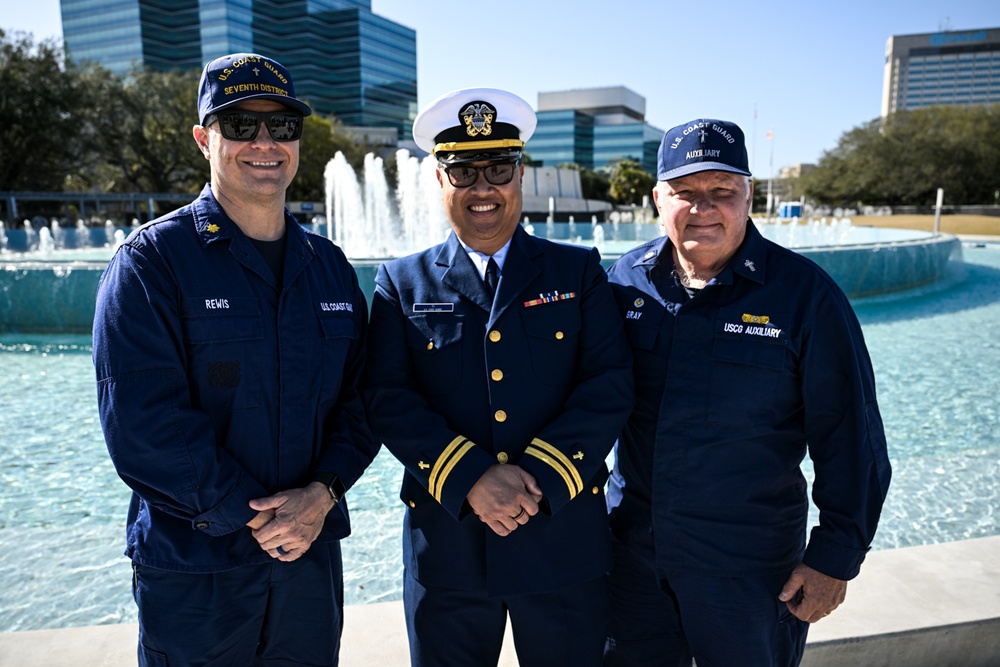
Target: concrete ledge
374	634
917	607
931	605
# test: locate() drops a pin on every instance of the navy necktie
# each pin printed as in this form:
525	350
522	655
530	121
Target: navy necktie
492	277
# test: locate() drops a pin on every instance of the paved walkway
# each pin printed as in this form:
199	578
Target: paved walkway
935	605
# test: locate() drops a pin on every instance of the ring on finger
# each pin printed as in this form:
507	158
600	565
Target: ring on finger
281	550
519	515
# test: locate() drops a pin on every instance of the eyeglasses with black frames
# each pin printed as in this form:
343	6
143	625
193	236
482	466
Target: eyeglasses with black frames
496	173
243	125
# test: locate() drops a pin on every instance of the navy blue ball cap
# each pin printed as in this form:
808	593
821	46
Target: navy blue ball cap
240	77
702	145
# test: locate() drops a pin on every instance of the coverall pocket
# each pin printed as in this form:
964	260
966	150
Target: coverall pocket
744	380
220	320
223	339
151	658
338	334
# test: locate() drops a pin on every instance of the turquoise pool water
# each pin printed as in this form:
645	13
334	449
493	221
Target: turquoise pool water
62	508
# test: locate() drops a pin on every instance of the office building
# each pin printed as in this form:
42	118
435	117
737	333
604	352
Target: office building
954	68
594	128
346	61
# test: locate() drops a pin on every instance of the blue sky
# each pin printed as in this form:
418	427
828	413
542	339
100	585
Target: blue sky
810	70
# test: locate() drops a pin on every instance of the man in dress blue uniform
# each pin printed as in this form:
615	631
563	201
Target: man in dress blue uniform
746	356
502	408
228	345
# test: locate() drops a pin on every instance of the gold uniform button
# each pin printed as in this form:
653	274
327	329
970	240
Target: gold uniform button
412	504
500	416
497	374
495	336
430	345
560	335
595	490
502	457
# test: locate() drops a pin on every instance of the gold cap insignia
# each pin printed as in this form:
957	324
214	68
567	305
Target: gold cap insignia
478	119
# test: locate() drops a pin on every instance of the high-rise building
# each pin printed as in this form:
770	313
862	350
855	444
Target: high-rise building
347	61
593	128
956	68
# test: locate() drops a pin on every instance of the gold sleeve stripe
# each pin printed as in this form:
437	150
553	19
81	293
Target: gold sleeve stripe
543	451
542	456
562	458
445	463
453	146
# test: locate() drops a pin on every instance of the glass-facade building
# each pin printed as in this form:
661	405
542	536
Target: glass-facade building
346	61
593	128
952	68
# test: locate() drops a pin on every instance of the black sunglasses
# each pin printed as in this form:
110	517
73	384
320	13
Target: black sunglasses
242	125
496	173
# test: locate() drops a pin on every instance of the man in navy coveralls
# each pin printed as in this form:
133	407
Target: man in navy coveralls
228	344
502	408
746	356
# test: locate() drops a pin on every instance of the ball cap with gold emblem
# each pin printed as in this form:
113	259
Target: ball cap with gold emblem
239	77
474	124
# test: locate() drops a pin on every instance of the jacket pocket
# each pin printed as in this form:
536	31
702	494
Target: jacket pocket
434	340
553	333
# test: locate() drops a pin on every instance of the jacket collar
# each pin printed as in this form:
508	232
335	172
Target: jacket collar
519	269
213	225
749	261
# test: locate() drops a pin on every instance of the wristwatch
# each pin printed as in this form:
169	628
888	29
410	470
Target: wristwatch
332	484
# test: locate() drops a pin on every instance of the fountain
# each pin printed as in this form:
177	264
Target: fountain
48	284
64	506
946	483
368	223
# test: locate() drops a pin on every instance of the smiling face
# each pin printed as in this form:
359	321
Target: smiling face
705	214
484	216
249	172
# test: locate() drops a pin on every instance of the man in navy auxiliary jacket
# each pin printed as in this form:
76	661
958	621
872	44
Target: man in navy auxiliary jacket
746	356
228	345
502	408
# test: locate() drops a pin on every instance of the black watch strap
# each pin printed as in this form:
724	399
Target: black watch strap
332	484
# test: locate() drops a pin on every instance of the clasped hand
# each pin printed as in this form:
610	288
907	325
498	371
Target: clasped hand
504	498
287	523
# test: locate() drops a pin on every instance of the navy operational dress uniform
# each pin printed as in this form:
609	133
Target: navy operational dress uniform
222	381
735	383
457	382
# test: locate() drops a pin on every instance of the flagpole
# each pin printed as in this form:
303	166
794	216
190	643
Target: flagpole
753	146
770	174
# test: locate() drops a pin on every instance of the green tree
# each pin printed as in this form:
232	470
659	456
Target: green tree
39	114
140	127
906	158
593	184
630	183
322	137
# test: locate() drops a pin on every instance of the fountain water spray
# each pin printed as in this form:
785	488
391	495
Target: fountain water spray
366	222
